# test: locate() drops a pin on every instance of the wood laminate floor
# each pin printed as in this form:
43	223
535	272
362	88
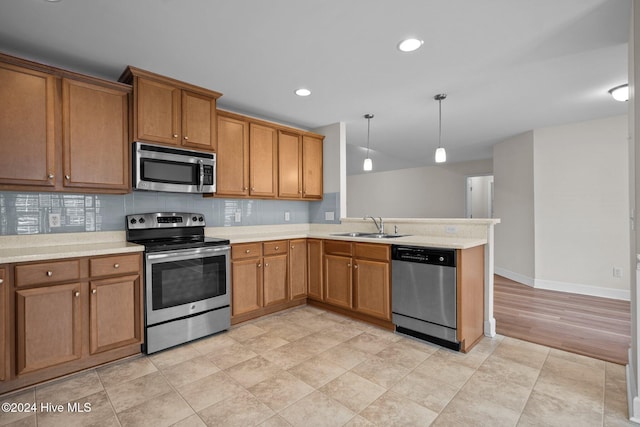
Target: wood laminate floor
591	326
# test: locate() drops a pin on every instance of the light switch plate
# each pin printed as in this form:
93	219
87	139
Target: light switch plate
287	216
329	216
238	216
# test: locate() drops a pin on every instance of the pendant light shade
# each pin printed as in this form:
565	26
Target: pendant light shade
368	164
441	154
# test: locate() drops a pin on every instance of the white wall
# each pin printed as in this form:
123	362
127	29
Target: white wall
514	205
582	206
427	192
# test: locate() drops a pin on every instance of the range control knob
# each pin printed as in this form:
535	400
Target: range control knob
141	221
441	258
133	221
195	218
201	219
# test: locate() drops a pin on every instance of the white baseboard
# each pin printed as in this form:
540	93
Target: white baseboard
516	277
574	288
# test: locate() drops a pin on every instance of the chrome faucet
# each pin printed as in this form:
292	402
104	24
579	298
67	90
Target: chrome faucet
379	227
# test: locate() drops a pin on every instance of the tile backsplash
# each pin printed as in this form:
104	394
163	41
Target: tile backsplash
38	213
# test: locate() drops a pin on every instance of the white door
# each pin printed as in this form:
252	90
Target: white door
479	196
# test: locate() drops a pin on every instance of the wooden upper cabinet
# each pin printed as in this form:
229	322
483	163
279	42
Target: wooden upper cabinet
171	112
232	160
263	160
95	136
289	165
312	174
27	126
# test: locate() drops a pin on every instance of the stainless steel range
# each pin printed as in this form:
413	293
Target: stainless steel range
187	284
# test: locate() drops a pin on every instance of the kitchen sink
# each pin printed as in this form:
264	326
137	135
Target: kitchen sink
369	235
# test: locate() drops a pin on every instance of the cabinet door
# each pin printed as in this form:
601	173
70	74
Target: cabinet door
115	313
314	269
275	280
157	115
95	136
337	280
246	294
297	269
263	158
232	161
48	326
27	127
312	167
372	288
3	326
198	121
289	165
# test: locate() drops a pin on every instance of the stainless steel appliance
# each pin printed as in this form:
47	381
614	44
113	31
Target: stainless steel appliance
424	294
160	168
187	284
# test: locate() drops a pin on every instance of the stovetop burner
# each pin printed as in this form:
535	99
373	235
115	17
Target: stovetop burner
163	231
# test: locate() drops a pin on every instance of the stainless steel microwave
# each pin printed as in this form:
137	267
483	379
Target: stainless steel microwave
160	168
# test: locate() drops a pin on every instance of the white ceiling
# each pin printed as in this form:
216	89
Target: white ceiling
508	66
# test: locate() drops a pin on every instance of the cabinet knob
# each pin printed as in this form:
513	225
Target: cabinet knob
292	246
247	251
50	176
349	265
186	138
67	177
175	135
355	266
1	281
266	264
259	265
253	188
49	273
116	265
244	188
94	291
277	247
76	294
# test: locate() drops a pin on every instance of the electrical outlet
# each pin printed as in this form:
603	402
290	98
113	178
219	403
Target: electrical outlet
451	229
238	216
54	220
617	272
287	216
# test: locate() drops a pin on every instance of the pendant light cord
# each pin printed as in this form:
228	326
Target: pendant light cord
368	133
439	122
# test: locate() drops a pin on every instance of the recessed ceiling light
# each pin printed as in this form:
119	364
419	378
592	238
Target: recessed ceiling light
303	92
409	45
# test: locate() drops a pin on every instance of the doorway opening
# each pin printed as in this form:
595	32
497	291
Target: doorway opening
479	197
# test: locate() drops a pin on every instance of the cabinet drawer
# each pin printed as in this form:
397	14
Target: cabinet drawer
246	250
274	248
118	264
337	247
45	273
375	251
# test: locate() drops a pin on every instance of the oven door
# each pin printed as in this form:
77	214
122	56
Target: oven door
186	282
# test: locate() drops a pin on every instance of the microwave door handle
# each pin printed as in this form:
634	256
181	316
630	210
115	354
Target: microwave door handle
201	183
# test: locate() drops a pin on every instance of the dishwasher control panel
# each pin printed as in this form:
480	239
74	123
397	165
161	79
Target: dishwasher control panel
422	255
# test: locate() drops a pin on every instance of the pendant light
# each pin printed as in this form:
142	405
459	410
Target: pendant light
368	164
441	154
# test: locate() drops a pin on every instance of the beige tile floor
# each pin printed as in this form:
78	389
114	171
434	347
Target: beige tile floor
307	367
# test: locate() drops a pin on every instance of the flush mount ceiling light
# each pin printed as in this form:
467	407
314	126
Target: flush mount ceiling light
303	92
620	93
441	154
409	45
368	164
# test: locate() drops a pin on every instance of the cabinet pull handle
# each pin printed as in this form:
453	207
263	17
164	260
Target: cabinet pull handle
76	294
186	138
116	265
67	177
175	135
50	176
49	273
94	291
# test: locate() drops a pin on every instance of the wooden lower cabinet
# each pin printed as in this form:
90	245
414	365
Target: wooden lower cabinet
372	288
68	315
246	293
275	280
115	313
48	326
314	270
338	280
297	269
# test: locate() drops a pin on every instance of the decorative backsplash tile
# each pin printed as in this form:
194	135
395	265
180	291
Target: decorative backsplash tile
38	213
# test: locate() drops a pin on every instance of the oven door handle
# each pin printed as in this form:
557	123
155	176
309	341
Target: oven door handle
199	251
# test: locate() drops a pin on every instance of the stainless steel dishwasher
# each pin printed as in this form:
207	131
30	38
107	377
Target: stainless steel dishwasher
424	294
